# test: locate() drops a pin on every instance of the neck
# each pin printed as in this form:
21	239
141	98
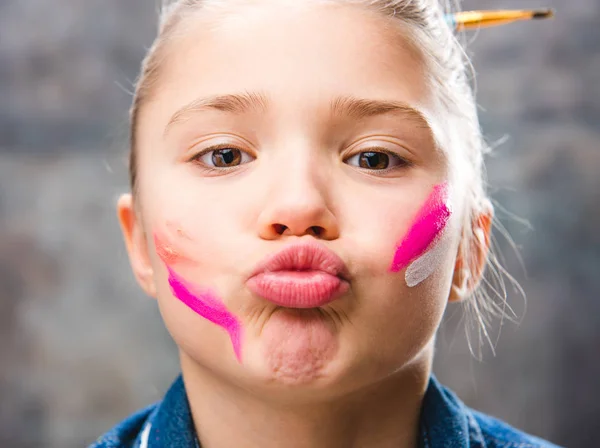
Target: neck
383	415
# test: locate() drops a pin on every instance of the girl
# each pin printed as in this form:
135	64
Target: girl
307	198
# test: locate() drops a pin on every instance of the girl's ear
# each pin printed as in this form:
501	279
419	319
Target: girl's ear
468	275
136	243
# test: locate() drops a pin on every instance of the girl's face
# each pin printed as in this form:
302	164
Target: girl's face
267	128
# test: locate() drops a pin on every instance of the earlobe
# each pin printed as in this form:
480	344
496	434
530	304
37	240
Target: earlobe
460	285
467	278
136	244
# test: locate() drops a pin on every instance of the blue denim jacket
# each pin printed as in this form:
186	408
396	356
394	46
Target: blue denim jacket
445	423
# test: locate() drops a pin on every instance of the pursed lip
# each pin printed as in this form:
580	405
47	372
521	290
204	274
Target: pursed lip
303	275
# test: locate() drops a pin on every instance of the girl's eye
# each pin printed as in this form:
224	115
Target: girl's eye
376	160
223	157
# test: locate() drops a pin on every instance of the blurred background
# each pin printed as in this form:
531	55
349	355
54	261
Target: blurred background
81	347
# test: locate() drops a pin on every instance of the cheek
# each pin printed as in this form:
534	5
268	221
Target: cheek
397	321
372	229
206	304
425	265
190	227
197	322
166	249
421	251
170	243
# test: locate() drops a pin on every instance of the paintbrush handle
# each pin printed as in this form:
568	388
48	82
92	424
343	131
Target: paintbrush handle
482	19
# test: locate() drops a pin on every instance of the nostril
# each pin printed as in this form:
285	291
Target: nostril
279	228
316	230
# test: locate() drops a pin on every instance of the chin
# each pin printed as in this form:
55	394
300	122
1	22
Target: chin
300	375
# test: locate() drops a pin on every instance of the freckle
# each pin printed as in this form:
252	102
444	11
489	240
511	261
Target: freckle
182	234
178	230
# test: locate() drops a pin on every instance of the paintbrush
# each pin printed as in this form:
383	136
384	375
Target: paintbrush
481	19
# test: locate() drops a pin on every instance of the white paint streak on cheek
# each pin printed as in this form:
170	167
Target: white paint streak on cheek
420	269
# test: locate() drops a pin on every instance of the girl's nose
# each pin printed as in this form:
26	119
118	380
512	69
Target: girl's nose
298	205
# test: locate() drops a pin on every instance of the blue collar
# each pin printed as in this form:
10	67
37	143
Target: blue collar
171	424
445	421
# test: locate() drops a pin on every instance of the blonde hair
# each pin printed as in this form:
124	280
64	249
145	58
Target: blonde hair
449	69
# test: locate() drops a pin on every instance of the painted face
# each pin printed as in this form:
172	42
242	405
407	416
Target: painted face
285	126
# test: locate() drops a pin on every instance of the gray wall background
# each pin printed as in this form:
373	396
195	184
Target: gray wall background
81	347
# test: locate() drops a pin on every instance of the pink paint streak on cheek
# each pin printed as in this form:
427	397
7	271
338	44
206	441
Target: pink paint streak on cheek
428	226
208	306
204	304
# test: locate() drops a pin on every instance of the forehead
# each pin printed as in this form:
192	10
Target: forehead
302	55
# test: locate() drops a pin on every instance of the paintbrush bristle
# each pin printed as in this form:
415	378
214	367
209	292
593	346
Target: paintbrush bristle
543	14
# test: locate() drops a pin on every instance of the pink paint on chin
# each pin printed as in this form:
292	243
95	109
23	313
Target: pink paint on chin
428	226
208	306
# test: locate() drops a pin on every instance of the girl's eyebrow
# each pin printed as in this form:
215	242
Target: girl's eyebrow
341	106
360	108
234	103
